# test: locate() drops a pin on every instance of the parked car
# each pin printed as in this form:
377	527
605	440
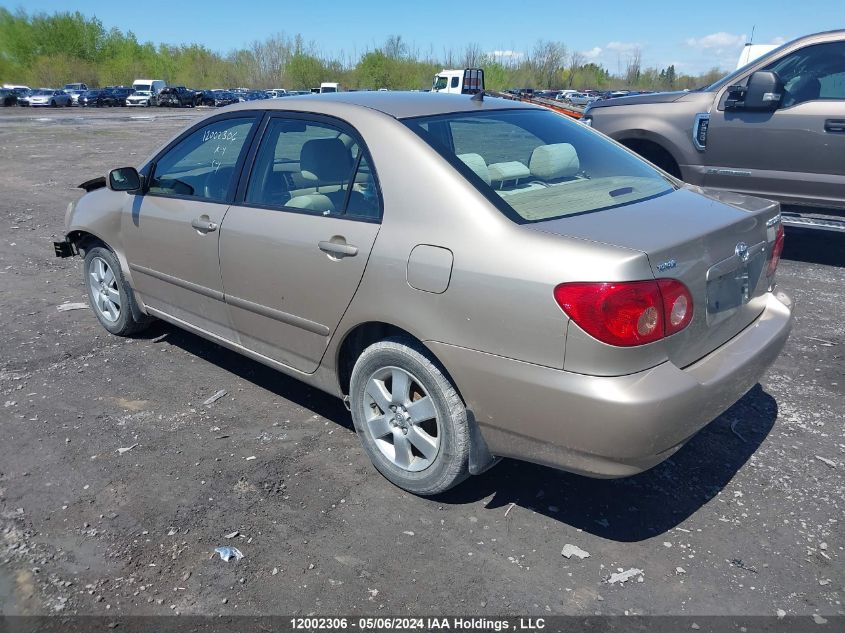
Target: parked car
74	95
775	128
552	298
176	97
217	98
93	98
46	97
8	97
141	98
579	98
547	94
78	87
117	96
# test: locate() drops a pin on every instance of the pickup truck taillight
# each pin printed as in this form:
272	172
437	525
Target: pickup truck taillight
628	313
777	249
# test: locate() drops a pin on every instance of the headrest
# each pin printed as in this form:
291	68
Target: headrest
312	202
477	164
325	160
551	162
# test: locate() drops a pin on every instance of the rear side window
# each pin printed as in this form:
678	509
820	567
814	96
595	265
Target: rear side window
202	165
312	167
536	165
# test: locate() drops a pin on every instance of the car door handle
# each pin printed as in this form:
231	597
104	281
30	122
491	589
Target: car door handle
834	125
203	224
338	249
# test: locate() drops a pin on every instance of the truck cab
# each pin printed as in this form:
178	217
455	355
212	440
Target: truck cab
774	128
329	86
464	81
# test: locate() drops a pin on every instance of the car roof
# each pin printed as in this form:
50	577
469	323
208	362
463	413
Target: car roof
400	105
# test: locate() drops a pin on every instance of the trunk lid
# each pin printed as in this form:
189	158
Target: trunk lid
716	243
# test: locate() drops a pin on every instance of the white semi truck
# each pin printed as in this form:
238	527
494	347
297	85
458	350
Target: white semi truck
462	81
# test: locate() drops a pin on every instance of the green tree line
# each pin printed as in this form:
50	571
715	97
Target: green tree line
50	50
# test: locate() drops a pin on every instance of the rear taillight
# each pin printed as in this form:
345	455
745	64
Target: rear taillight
777	249
677	305
627	313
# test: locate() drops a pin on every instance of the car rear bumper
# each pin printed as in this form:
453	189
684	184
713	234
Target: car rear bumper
611	426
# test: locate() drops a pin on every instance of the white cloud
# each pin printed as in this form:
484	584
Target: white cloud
623	47
717	42
506	55
593	53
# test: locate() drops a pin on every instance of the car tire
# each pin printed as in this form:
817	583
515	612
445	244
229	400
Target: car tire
53	104
111	298
422	448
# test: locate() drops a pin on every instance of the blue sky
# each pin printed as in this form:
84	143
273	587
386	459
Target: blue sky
695	37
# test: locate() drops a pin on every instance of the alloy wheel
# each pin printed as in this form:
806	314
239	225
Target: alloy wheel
401	418
104	291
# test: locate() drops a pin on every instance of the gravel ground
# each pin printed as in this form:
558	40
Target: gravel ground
746	519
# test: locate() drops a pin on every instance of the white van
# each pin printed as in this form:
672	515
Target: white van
153	86
750	52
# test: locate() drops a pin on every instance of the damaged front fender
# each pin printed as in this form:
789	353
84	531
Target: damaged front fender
95	183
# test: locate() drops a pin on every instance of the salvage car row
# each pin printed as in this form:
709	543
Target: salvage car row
118	96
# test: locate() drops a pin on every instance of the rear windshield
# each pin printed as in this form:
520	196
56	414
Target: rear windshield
537	165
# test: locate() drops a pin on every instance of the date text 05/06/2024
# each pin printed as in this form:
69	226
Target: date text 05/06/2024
418	623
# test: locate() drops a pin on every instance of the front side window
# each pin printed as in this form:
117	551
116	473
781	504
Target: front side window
812	73
440	83
313	167
202	165
537	165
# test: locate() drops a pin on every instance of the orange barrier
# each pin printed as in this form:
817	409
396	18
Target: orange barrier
546	103
570	111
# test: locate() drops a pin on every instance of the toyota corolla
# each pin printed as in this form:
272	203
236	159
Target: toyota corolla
475	278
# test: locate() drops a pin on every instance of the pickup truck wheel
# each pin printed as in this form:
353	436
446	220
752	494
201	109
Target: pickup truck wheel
655	154
411	420
110	296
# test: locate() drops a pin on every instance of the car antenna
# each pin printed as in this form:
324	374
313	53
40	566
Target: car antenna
478	96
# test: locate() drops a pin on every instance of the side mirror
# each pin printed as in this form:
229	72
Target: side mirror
124	179
763	92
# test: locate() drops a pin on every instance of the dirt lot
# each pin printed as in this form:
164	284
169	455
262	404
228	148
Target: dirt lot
746	519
